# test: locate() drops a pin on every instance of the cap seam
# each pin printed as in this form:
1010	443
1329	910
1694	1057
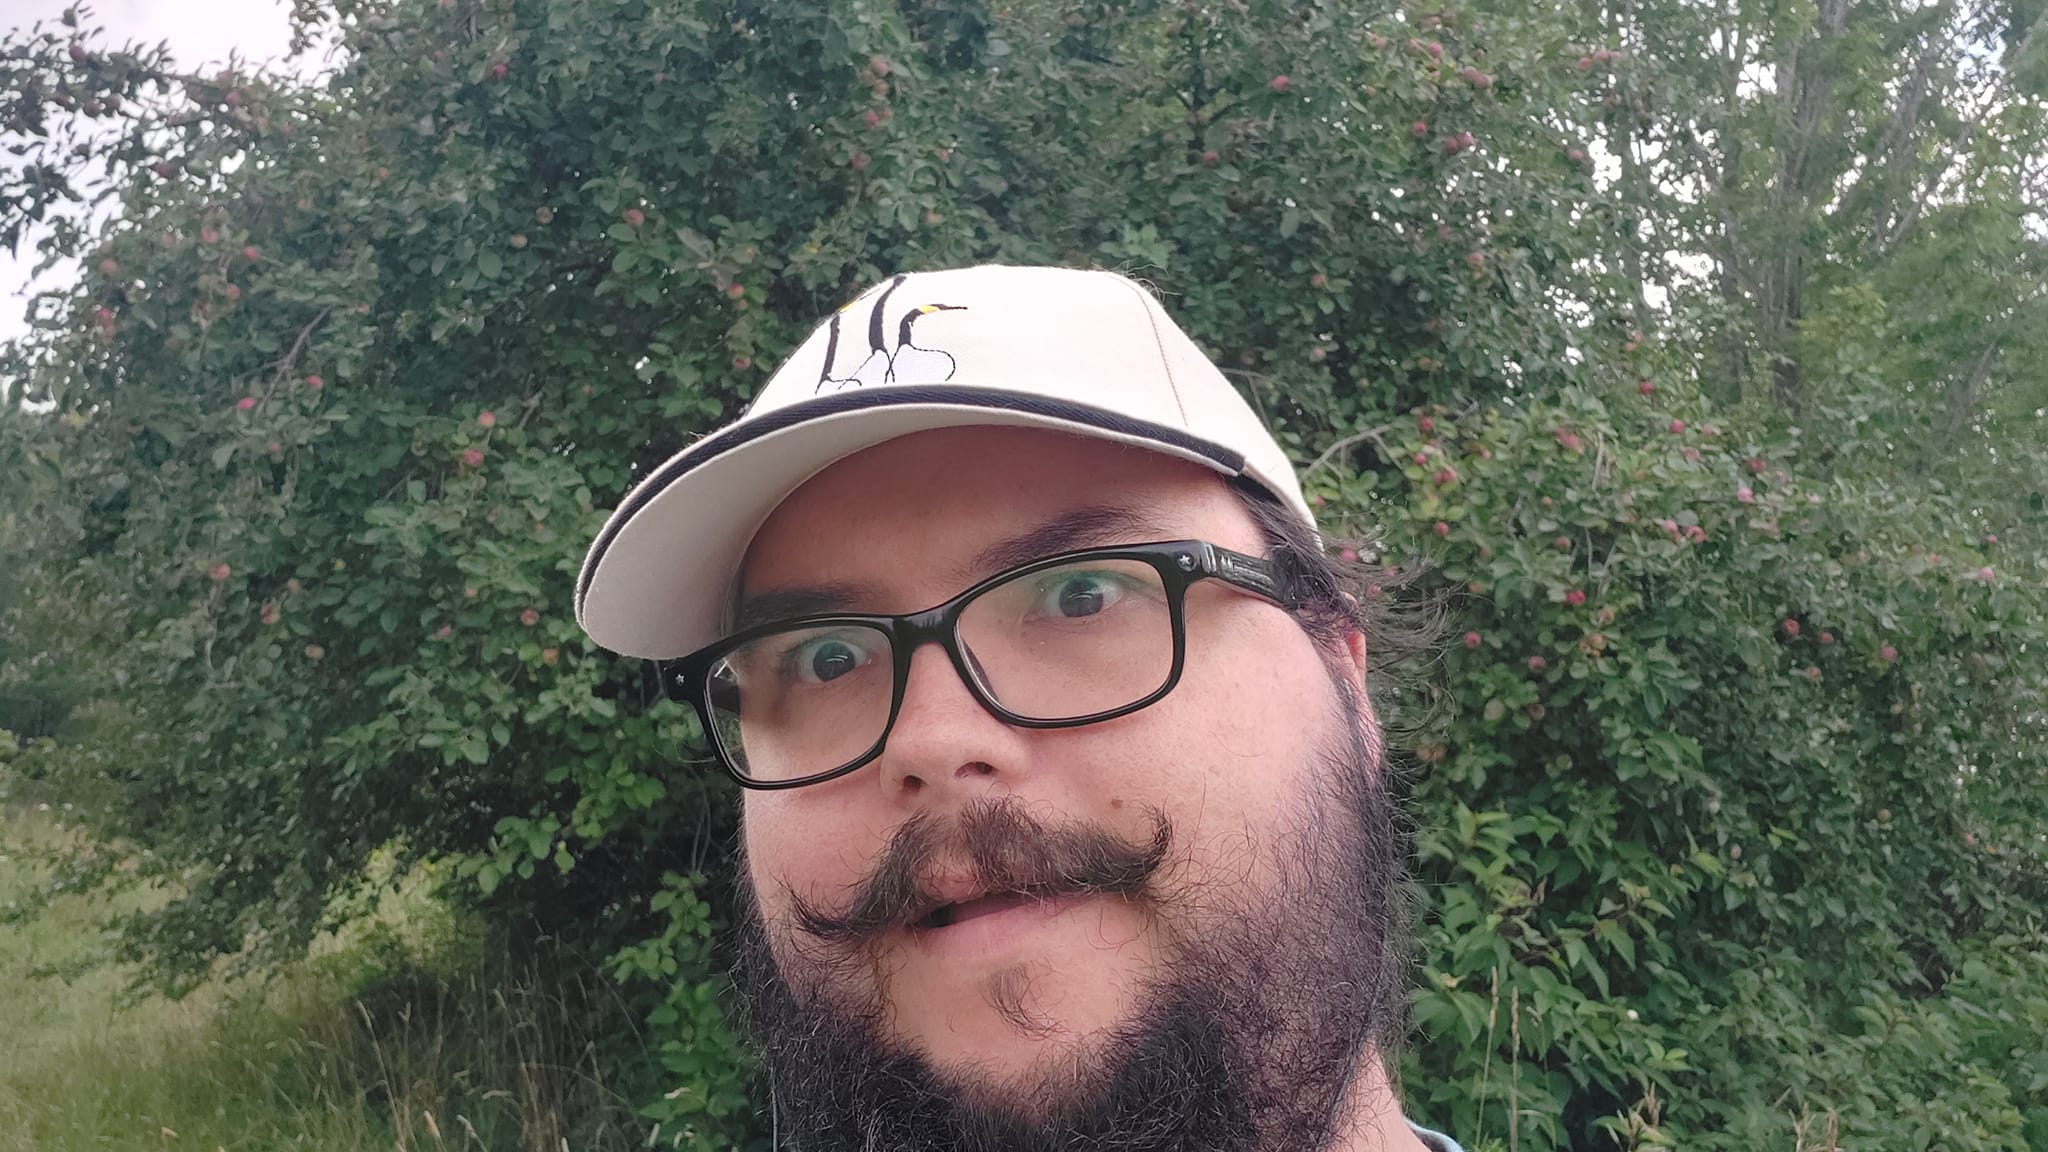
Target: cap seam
1159	341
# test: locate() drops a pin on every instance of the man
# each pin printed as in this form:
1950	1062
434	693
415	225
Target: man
1066	824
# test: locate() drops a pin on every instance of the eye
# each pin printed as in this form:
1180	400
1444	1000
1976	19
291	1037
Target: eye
822	659
1076	595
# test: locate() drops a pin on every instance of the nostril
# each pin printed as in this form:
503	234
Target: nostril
977	768
912	783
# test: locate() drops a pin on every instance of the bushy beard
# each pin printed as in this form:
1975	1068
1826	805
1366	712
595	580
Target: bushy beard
1270	1002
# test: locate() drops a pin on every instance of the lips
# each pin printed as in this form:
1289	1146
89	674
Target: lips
992	928
947	915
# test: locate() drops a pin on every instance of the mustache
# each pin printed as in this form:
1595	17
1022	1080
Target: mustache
1006	850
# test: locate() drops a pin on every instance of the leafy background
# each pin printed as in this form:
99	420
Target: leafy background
1697	352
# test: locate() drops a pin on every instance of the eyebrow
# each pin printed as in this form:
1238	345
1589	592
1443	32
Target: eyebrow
1092	526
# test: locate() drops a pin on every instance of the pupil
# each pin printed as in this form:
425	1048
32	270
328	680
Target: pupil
1080	598
832	661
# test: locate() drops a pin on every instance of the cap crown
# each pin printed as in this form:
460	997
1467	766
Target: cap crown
1085	337
1090	353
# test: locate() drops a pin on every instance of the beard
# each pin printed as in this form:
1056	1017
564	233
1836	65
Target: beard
1267	1005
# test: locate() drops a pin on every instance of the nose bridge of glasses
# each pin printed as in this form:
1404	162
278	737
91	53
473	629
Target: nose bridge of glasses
939	626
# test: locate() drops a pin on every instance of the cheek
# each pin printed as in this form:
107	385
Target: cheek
1227	755
813	849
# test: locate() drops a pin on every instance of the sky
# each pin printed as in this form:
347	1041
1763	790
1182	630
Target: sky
199	32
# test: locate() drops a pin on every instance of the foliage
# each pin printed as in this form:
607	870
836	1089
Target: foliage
400	1031
1739	771
309	453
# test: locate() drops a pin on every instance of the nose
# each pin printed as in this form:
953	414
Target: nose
945	745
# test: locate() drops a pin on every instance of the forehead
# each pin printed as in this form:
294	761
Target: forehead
909	521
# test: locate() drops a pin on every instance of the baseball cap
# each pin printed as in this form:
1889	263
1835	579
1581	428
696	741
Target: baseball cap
1086	352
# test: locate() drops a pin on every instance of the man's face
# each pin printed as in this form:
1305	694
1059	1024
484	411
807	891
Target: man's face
1021	999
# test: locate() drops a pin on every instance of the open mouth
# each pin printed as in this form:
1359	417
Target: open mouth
947	915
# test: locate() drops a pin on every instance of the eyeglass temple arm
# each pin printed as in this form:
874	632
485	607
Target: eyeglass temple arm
1256	575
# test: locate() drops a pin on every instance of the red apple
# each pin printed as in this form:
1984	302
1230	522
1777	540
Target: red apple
487	419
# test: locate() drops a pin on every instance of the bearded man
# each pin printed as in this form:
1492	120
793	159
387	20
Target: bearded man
1066	822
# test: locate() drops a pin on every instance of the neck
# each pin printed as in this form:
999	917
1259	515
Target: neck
1369	1117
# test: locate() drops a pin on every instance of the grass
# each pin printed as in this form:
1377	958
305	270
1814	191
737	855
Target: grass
393	1036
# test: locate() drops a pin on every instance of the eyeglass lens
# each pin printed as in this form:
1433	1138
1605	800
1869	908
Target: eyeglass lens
1059	643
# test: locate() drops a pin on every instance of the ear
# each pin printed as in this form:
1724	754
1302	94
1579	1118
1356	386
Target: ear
1354	664
1355	653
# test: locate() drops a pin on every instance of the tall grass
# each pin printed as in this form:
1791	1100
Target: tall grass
399	1033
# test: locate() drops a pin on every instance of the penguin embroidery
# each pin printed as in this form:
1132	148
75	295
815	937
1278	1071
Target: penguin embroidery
906	363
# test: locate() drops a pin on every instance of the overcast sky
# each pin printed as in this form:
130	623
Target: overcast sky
198	31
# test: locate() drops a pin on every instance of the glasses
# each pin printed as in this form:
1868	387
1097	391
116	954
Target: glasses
1072	639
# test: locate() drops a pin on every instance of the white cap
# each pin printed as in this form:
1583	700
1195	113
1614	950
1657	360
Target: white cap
1091	353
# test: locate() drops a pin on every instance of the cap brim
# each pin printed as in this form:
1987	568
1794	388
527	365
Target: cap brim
655	580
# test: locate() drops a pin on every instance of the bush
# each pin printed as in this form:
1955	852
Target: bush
314	445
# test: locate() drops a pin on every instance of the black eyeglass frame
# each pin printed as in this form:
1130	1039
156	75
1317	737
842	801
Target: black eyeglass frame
1180	564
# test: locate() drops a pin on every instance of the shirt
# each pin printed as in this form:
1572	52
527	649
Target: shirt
1434	1141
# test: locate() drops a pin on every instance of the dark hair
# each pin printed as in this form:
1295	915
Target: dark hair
1403	623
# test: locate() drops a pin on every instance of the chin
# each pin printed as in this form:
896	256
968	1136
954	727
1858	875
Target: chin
1019	1026
1024	1078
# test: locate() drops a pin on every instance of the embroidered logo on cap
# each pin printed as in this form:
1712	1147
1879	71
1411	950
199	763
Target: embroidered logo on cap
906	363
